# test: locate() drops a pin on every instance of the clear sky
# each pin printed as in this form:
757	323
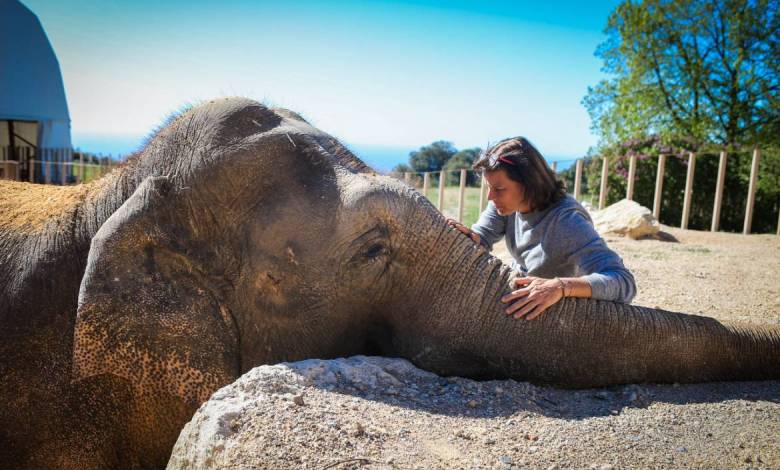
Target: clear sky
385	77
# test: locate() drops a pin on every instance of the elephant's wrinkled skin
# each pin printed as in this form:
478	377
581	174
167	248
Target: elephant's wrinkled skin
241	236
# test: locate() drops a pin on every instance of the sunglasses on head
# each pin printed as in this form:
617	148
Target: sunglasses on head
495	158
496	154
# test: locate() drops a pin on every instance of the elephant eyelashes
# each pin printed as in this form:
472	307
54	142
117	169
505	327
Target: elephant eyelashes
369	253
375	250
372	246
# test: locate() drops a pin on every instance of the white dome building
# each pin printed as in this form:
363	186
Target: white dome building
34	117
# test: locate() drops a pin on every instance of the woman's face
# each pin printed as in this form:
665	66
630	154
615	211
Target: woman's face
506	194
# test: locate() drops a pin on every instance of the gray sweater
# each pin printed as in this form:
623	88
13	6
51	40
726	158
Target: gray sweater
559	241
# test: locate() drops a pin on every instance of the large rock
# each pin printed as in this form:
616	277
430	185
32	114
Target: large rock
316	413
256	420
627	218
381	413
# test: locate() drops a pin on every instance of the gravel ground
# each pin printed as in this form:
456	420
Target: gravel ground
414	419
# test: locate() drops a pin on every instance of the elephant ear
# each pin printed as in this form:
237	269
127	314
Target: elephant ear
147	313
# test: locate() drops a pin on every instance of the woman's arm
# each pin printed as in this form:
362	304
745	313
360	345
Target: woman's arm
490	226
606	277
487	230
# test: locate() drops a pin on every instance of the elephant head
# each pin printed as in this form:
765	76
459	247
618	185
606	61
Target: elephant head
254	238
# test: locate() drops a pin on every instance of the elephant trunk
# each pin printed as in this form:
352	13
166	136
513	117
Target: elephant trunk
589	343
576	343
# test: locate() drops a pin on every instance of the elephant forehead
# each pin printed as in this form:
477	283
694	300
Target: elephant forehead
361	189
294	230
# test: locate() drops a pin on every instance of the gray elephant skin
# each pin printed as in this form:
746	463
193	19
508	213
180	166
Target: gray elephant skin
241	235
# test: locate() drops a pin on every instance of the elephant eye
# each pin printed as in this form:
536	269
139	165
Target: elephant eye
375	250
371	248
370	253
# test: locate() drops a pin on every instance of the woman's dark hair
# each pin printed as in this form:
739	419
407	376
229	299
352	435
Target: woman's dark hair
525	165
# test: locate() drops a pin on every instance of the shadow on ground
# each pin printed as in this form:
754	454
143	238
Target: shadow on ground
396	382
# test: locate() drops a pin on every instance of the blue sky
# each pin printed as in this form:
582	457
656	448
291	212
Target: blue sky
384	77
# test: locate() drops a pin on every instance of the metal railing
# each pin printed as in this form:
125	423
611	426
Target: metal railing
51	165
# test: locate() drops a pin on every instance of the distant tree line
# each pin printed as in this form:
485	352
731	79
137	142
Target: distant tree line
440	155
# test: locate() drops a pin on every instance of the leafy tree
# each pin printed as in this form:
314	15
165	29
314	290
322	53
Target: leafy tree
463	159
432	157
705	69
399	170
691	75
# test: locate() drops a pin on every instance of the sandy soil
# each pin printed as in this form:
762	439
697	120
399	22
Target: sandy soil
731	277
432	422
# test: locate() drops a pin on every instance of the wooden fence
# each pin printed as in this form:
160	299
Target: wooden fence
50	166
603	188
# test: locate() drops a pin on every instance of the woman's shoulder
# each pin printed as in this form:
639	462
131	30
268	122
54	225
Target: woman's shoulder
569	210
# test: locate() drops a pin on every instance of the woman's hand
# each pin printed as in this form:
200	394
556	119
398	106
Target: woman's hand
464	230
533	297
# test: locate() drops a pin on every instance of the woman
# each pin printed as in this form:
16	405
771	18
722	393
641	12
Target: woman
557	252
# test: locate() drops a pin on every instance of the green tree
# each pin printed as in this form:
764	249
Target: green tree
691	75
706	69
432	157
463	159
399	170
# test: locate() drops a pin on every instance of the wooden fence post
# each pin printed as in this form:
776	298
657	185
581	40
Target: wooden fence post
659	186
751	191
603	188
778	223
719	192
688	190
631	177
441	190
482	193
426	183
461	194
577	179
31	173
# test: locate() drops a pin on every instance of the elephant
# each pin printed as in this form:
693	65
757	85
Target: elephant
241	235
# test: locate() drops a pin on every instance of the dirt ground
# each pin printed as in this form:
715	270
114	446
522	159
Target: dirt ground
434	422
728	276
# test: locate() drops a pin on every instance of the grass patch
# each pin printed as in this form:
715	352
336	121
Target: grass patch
471	208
